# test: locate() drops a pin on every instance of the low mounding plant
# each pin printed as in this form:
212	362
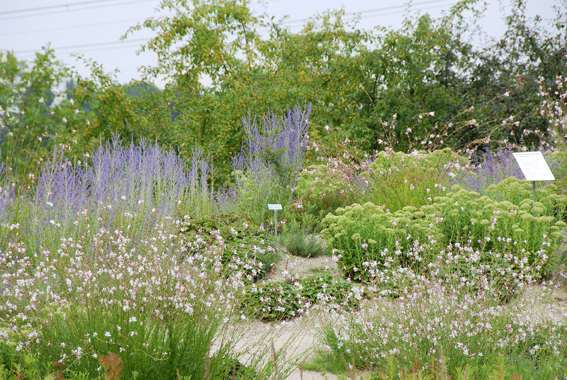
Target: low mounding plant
528	231
245	247
273	301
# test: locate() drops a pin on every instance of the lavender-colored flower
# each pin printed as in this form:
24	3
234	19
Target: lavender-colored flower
279	144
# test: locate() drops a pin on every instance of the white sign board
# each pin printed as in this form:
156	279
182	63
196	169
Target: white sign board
533	166
274	207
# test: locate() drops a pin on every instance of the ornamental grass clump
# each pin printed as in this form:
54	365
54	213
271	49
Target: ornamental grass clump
396	179
300	242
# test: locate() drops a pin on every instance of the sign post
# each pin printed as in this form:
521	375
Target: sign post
275	207
534	167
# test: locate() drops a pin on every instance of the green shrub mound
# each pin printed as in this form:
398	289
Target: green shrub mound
274	301
246	247
523	234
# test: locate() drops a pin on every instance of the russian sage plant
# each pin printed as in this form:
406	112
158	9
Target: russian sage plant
267	168
128	188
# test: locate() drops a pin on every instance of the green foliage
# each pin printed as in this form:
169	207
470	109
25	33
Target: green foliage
30	115
332	290
322	189
362	233
274	301
246	247
442	331
134	112
257	189
19	364
299	242
396	179
425	75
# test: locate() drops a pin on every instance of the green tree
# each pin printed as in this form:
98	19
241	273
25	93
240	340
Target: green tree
30	112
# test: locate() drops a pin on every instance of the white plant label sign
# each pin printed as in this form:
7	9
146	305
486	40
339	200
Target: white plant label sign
533	166
274	206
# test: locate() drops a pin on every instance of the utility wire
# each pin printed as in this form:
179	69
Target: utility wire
125	46
69	27
53	6
84	46
102	44
381	9
80	9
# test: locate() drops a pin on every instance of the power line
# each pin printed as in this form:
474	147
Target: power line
98	46
53	6
69	27
80	9
125	46
379	9
84	46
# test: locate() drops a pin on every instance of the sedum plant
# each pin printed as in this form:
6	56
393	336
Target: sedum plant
412	237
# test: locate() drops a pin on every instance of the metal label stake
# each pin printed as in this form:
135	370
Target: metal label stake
275	207
534	168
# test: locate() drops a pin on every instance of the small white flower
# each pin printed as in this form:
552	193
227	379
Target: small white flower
41	100
107	333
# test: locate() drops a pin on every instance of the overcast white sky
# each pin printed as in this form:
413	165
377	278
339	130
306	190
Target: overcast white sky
93	27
